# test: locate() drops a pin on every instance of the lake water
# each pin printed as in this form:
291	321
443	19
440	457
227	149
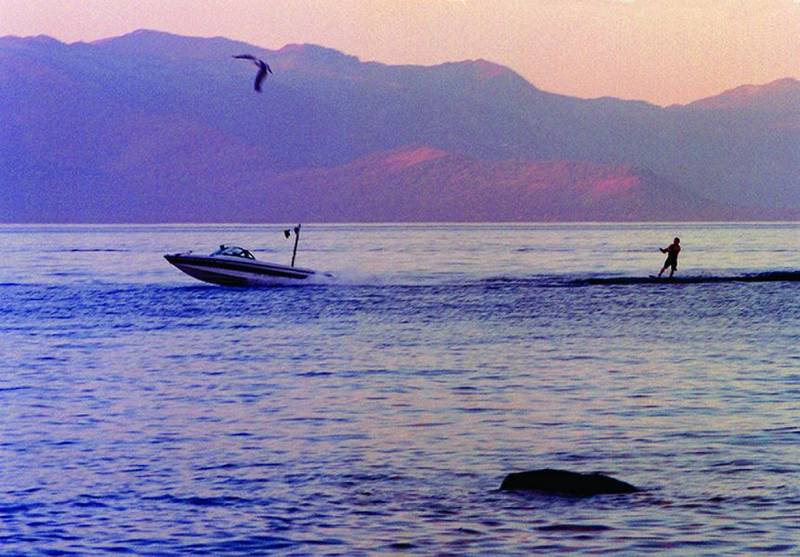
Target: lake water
142	411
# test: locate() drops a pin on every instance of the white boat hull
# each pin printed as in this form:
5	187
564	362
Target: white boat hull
236	271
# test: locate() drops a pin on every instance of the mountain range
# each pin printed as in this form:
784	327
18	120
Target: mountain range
155	127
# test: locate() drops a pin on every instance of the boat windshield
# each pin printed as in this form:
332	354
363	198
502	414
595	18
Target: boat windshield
234	251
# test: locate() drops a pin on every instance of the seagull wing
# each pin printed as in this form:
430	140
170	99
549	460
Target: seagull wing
263	68
262	73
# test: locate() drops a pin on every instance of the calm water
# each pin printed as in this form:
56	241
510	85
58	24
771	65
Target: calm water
142	411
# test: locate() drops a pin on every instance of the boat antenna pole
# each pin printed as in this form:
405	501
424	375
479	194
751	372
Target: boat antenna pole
296	240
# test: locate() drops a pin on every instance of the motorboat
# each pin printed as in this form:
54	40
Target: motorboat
236	266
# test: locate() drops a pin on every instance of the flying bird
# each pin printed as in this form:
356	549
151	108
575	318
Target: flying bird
263	68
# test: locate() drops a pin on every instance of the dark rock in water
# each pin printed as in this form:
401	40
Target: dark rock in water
564	482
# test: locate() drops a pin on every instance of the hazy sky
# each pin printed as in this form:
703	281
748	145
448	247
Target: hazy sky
664	51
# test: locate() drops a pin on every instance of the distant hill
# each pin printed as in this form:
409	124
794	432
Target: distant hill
780	96
154	127
775	105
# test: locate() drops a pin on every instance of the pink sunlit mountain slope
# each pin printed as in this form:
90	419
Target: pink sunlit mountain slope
427	184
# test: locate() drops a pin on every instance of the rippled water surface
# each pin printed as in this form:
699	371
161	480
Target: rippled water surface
142	411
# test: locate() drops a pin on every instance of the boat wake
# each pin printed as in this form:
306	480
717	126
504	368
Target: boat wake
571	280
354	278
771	276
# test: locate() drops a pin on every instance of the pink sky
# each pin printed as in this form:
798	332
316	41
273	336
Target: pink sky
663	51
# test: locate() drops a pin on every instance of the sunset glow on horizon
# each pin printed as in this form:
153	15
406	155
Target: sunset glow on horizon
662	51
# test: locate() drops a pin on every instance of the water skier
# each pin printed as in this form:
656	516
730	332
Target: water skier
672	252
